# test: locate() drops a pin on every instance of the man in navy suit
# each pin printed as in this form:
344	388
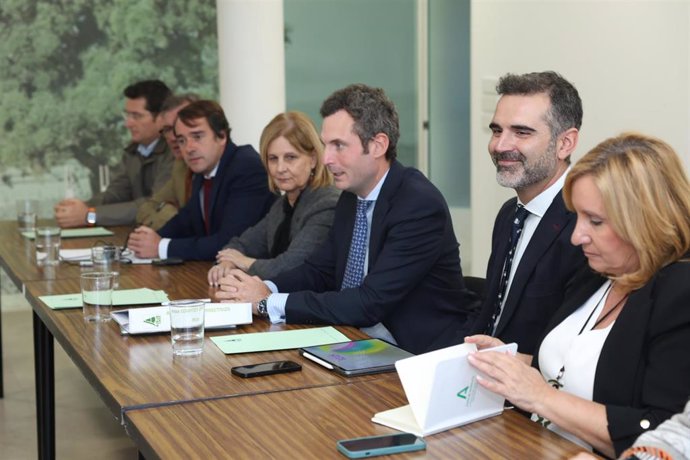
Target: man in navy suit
409	287
229	190
535	129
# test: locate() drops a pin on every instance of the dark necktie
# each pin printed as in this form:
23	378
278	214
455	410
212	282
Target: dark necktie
208	184
520	215
354	270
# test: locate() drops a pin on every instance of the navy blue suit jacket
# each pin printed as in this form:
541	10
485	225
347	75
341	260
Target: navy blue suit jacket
414	284
547	267
239	199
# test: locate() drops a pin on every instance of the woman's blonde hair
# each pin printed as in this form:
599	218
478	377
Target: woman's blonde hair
298	129
646	195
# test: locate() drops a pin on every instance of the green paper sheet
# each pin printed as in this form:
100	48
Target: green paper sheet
278	340
75	233
141	296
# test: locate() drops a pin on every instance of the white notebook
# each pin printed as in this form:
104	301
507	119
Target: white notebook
442	389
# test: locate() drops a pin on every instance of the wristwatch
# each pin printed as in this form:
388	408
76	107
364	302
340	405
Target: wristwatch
262	307
91	217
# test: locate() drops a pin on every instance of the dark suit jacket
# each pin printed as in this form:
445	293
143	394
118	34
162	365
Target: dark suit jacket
239	199
643	371
547	266
414	284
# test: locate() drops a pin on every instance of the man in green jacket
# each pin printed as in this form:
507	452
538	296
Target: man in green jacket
146	164
163	205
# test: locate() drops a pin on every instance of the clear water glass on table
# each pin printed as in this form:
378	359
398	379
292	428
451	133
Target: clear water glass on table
106	258
187	327
47	243
27	213
97	295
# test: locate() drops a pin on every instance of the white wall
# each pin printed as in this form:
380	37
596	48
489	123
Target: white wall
628	59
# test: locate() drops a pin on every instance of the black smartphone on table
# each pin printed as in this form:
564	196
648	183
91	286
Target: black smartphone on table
256	370
168	261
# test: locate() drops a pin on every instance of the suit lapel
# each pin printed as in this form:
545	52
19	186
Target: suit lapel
381	210
344	227
218	179
549	229
195	203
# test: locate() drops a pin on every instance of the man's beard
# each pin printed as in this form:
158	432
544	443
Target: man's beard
525	172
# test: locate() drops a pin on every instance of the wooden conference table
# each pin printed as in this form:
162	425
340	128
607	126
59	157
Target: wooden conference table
141	382
307	423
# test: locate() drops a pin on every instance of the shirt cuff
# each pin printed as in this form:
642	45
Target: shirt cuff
163	248
275	304
272	286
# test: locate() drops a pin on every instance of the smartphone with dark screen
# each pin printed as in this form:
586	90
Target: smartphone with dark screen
372	446
256	370
168	261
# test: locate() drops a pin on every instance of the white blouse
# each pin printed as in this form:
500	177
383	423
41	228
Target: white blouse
577	352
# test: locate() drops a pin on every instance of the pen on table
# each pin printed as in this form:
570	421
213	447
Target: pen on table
165	304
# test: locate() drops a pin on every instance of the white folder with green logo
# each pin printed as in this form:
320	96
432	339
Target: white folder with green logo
442	389
150	320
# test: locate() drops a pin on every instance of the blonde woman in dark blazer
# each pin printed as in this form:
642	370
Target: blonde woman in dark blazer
297	223
614	360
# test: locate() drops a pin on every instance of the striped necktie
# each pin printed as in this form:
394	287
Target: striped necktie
354	270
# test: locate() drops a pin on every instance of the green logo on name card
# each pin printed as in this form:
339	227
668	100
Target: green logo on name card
154	320
462	394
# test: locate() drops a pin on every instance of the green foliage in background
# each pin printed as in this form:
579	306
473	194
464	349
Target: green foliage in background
64	64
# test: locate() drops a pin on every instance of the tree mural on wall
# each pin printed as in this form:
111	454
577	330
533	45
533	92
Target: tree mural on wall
64	64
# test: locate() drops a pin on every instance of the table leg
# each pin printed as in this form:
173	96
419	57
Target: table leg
44	366
2	377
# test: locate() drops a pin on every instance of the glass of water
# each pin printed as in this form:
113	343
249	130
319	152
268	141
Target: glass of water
187	327
47	245
97	295
27	212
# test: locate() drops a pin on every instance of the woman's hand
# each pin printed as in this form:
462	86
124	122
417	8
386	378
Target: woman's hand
235	258
218	271
240	287
512	378
484	341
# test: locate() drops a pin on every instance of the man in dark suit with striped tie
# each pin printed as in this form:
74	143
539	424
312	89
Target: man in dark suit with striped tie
534	129
391	263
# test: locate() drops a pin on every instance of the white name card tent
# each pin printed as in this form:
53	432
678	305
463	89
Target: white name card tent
150	320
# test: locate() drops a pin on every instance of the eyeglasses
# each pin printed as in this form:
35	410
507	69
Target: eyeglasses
165	130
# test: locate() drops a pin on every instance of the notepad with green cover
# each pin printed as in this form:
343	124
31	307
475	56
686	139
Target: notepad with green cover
75	232
141	296
278	340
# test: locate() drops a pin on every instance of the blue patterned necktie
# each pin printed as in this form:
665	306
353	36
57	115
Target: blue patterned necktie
354	270
520	215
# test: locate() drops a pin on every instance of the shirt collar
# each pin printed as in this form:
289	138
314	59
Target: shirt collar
213	172
540	203
146	150
374	194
